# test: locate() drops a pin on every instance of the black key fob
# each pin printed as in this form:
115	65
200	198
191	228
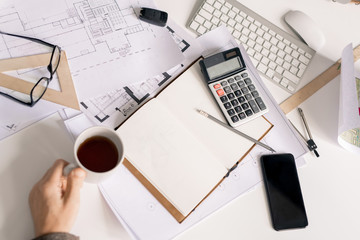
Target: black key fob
153	16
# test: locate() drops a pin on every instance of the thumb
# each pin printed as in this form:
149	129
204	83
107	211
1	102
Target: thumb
74	182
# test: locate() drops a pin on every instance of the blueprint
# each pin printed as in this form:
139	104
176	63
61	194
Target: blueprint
112	108
99	36
107	48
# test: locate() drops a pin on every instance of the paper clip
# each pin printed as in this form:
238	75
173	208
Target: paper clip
310	143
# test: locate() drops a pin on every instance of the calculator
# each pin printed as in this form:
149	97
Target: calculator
233	87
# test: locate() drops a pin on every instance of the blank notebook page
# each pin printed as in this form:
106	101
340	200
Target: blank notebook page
169	156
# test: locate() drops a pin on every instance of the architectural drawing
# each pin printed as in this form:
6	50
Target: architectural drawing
105	43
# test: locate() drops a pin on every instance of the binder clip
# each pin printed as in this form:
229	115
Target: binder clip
310	142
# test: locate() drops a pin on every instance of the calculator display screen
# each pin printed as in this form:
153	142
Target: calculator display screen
224	68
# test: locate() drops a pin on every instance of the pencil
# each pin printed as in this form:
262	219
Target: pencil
205	114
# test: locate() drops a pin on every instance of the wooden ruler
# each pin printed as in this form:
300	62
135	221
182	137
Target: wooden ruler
312	87
66	96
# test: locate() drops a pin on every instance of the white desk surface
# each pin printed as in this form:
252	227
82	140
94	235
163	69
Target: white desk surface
330	184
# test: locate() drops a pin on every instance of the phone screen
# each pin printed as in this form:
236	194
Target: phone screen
283	191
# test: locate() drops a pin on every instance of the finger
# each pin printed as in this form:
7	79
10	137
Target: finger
54	174
74	182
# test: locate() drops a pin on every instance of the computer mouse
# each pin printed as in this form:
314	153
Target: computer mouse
305	28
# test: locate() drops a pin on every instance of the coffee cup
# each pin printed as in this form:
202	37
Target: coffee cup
99	151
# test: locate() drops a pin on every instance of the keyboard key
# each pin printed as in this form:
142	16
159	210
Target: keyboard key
248	96
251	87
253	106
248	112
217	5
234	86
247	81
235	119
241	84
205	14
208	8
241	99
255	94
291	77
223	99
304	59
227	105
242	115
237	109
217	86
194	25
220	92
231	112
245	106
227	89
231	96
234	102
245	90
201	29
260	103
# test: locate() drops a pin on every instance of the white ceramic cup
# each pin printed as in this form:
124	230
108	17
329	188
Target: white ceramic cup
91	176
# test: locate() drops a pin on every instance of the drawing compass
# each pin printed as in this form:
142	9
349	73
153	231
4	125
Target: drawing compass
310	142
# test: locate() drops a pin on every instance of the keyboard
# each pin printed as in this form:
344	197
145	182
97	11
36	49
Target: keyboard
278	56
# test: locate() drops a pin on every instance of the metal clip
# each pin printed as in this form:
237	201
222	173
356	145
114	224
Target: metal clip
310	142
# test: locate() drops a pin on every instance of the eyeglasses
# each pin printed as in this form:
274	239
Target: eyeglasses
42	84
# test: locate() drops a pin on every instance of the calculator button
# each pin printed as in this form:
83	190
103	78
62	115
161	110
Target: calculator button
223	99
237	77
255	94
234	86
260	102
241	99
242	115
235	118
231	80
244	75
254	106
251	87
224	83
237	109
248	112
245	106
237	93
227	105
241	84
220	92
245	90
231	96
234	102
247	81
231	112
248	96
217	86
227	89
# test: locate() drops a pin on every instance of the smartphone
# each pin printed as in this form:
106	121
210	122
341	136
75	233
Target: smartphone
283	191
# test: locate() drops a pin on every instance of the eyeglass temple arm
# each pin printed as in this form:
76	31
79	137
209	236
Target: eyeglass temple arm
31	39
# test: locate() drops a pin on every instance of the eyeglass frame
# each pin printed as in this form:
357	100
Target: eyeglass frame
49	68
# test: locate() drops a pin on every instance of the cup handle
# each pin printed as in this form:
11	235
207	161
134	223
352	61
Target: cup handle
69	168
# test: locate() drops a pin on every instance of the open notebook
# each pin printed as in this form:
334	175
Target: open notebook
179	155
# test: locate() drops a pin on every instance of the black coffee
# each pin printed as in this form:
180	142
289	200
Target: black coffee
98	154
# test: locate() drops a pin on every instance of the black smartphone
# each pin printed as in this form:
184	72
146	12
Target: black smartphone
283	191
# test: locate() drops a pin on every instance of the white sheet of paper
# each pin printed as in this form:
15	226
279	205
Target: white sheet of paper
349	114
169	155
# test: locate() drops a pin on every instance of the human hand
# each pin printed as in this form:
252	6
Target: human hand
55	199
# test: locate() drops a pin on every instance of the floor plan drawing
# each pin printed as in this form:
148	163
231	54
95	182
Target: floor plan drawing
98	36
114	107
107	47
